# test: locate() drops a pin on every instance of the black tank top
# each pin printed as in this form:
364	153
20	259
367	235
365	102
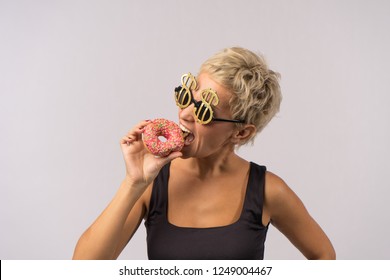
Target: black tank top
244	239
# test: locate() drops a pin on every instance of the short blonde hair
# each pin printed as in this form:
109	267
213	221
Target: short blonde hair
256	94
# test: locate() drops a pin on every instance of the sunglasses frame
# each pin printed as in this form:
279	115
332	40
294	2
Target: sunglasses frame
198	104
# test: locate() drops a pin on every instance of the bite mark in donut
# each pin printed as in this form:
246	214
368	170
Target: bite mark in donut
162	128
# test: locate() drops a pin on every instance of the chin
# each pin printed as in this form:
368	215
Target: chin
186	154
185	157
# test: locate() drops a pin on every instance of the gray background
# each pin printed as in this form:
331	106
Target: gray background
75	76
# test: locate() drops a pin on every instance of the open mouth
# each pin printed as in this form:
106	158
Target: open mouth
187	135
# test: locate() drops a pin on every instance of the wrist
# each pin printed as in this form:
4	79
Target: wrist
134	187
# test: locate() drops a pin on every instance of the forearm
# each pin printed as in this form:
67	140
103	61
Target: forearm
100	240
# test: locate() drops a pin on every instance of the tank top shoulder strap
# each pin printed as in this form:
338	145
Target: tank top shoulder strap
159	197
254	198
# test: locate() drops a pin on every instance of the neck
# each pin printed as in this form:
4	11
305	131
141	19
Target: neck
213	165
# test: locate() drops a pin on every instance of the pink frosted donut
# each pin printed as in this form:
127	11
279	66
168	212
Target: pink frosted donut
166	129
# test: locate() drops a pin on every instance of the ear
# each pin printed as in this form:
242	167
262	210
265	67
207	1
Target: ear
241	135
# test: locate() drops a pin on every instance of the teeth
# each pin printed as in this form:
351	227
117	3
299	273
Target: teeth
184	129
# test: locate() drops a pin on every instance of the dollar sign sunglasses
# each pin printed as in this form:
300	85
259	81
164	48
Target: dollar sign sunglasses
203	108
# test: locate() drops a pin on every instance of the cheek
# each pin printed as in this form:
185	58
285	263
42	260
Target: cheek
217	135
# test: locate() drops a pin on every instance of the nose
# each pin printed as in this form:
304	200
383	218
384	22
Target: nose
187	114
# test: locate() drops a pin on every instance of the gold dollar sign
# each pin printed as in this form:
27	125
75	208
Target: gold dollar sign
205	112
184	97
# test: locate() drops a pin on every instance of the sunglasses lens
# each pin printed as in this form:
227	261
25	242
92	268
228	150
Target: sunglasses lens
183	93
203	112
182	97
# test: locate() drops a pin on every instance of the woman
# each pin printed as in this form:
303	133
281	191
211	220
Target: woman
206	202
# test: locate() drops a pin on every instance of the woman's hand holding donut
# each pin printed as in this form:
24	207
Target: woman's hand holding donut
141	166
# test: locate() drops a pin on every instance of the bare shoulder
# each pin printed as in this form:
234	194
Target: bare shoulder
281	202
277	192
278	198
287	213
275	186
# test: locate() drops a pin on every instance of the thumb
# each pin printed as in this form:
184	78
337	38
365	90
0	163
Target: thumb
170	157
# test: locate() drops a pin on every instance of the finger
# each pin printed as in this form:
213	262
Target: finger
174	155
141	125
170	157
137	130
127	140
